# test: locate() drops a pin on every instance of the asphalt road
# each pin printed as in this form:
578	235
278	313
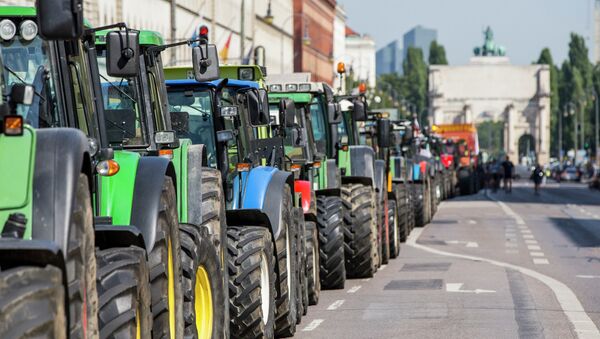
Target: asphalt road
492	265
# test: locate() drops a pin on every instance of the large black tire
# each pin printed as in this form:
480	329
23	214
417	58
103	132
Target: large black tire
300	255
201	260
286	312
81	265
250	257
213	219
360	231
330	223
32	303
385	233
312	263
420	205
395	231
403	212
123	284
165	275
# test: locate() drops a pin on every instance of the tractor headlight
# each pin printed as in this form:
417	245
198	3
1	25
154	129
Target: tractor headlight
7	29
29	30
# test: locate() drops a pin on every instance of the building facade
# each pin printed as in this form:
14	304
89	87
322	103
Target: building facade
360	57
419	37
339	45
389	59
223	18
492	89
313	38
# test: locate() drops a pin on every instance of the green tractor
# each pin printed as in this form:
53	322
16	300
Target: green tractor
322	116
47	240
137	120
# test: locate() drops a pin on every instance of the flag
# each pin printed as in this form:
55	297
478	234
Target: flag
223	55
246	60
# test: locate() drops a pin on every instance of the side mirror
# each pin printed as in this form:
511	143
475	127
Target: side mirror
60	19
334	113
264	99
205	60
123	53
359	112
228	111
384	133
287	113
21	94
225	136
258	116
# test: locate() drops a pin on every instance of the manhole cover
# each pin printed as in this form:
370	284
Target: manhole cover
432	242
425	284
444	222
426	267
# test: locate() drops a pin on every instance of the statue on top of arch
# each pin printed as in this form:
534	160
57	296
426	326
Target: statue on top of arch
489	47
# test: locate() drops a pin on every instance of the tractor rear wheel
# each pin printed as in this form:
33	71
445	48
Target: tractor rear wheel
124	293
164	262
286	312
394	225
300	255
203	295
330	223
360	233
81	265
32	303
251	266
385	232
312	263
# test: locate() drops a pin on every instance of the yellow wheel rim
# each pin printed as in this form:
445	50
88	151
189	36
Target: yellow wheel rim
203	304
138	327
171	293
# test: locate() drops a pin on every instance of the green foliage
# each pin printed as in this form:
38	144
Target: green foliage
491	137
555	111
415	74
437	54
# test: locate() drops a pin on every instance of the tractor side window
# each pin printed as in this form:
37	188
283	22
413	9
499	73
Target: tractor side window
78	100
319	125
343	132
155	102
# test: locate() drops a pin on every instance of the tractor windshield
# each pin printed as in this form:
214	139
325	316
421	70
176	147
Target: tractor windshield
296	138
319	126
29	62
122	107
192	118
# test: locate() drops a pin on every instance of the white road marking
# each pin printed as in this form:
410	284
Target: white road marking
467	243
536	254
526	231
472	244
531	241
382	267
354	289
588	276
567	299
472	222
455	287
533	247
336	304
366	279
540	261
313	324
527	236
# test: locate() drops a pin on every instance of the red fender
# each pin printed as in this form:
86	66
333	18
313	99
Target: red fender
303	187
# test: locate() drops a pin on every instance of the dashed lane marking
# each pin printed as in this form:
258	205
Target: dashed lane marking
336	304
354	289
533	247
531	241
366	279
536	254
571	306
527	236
526	231
540	261
312	325
583	276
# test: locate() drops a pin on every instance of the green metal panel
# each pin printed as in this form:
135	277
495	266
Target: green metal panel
300	98
180	162
117	191
17	158
344	161
17	11
178	73
322	175
146	38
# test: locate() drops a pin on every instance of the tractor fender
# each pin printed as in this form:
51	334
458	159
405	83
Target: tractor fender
329	192
196	159
367	181
110	236
303	187
266	185
40	253
362	161
151	172
333	174
380	177
57	169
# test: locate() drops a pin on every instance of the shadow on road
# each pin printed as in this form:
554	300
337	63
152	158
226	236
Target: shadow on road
582	232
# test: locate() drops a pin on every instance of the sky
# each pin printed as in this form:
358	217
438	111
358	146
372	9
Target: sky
524	27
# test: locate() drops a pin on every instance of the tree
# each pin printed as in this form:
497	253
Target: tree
437	54
555	111
415	75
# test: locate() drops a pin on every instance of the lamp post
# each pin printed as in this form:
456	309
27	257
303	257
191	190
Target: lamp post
568	110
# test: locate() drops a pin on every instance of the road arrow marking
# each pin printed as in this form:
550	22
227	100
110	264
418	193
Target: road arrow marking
455	287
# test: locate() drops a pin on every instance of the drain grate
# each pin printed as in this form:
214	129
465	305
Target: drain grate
424	284
432	242
426	267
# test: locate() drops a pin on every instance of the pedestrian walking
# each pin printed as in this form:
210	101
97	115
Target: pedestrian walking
508	167
536	176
